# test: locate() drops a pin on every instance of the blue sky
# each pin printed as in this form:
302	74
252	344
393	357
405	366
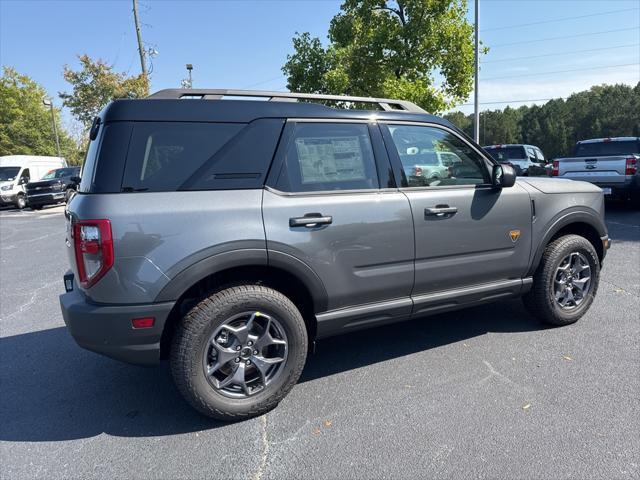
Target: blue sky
243	44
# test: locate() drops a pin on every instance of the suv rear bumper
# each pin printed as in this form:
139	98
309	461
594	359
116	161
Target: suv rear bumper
107	329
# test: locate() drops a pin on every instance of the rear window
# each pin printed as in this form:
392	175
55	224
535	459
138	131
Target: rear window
607	149
507	153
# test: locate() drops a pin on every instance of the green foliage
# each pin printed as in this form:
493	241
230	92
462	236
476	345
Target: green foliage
555	127
95	85
389	49
25	123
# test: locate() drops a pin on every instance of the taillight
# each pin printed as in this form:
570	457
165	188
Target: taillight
417	171
556	168
93	245
631	166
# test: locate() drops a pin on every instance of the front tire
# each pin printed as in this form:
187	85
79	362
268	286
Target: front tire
566	281
237	353
21	201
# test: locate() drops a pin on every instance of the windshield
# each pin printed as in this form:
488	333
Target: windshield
8	173
59	173
507	153
607	149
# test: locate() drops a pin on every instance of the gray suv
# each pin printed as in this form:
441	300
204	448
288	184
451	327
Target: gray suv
228	235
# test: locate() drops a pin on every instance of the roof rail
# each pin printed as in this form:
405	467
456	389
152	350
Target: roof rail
386	104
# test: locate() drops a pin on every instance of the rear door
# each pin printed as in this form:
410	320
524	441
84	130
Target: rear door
467	233
331	204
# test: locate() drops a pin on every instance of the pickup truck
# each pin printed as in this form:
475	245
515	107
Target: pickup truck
610	163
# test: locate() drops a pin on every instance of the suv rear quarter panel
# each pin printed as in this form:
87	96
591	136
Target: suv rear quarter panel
158	234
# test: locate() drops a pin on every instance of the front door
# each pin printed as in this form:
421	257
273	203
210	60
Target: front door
468	234
325	207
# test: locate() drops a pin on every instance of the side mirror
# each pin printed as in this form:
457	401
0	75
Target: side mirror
503	176
23	181
75	179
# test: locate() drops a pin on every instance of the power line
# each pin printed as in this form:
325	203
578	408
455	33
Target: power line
563	71
559	19
512	101
564	36
265	81
510	59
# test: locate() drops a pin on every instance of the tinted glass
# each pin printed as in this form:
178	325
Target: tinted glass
65	172
327	156
162	156
604	149
507	153
8	173
434	157
89	164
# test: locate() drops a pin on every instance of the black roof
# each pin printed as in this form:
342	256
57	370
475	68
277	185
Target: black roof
243	111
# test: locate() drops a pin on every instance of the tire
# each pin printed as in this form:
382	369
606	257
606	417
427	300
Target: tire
196	335
21	201
541	299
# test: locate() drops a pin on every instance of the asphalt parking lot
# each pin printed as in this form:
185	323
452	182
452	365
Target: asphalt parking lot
482	393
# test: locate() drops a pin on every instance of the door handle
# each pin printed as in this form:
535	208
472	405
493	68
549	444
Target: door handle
440	211
311	220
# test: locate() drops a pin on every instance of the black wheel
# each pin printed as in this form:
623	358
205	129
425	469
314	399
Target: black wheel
237	353
68	194
21	201
565	282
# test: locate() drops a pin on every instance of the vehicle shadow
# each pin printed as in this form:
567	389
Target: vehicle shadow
52	390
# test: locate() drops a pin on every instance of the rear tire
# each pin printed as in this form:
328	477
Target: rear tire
556	276
210	336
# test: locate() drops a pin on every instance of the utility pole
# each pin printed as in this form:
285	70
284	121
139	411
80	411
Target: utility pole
143	63
476	99
47	102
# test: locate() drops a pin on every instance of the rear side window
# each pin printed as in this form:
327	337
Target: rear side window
328	156
162	156
605	149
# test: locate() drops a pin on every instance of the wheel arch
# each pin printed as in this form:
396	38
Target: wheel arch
282	272
583	223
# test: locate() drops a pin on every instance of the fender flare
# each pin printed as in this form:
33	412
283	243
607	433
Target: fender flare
247	257
561	220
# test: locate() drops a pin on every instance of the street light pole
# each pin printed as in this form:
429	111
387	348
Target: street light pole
47	102
476	99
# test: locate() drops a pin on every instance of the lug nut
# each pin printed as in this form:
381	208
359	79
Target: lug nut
238	348
249	343
238	360
255	352
248	362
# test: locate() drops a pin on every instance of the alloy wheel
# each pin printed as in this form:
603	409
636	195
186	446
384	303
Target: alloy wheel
572	281
245	354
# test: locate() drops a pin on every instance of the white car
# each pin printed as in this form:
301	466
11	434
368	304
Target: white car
18	170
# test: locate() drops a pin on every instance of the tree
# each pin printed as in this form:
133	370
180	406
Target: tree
389	49
95	85
25	123
556	126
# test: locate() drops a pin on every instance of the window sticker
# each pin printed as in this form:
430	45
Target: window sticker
330	159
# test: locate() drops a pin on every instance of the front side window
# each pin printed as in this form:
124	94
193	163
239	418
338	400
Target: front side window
328	156
434	157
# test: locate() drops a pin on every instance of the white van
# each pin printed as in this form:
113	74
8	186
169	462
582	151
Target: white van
18	170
